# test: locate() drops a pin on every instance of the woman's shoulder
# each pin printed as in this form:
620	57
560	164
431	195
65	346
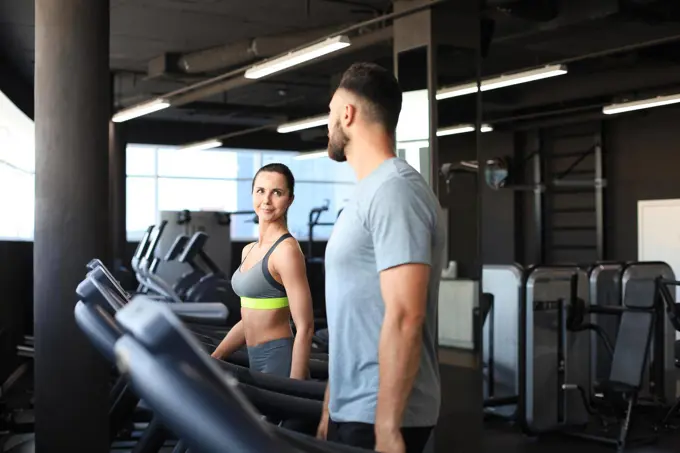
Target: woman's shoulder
247	248
289	248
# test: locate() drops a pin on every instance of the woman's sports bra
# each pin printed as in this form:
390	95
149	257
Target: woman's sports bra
256	287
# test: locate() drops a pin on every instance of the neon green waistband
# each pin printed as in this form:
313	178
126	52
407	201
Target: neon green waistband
264	304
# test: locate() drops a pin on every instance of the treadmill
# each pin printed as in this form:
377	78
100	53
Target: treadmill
204	313
208	413
201	319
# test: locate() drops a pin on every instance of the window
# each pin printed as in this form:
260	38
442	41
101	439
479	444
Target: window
140	206
20	206
322	170
164	178
200	163
17	173
176	194
140	161
309	195
167	179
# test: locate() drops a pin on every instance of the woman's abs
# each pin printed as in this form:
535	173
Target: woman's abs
261	326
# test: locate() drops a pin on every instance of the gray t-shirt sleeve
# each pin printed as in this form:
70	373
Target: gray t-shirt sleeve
401	225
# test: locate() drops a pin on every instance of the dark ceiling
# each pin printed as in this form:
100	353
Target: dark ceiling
155	47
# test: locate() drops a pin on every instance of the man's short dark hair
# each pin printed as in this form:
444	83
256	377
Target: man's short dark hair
379	88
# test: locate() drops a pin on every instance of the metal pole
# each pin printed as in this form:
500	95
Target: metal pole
599	198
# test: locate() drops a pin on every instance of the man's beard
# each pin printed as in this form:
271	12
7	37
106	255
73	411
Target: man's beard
336	145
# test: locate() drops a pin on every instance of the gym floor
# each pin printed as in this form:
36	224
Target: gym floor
497	438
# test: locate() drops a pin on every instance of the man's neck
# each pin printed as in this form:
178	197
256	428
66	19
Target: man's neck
367	154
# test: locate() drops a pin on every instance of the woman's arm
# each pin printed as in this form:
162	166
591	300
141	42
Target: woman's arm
290	265
235	338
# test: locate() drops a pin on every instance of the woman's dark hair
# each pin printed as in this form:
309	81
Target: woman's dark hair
282	170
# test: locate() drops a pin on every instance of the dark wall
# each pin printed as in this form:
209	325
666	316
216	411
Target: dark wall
641	161
16	299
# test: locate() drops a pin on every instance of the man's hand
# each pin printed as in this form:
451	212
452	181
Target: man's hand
322	430
389	441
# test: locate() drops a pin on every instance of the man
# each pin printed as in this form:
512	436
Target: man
383	263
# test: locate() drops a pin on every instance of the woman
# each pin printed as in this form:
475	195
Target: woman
272	283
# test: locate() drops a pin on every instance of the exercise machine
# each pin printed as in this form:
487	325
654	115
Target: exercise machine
581	333
313	222
185	406
299	403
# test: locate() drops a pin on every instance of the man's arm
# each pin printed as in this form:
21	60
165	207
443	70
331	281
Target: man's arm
322	430
404	290
401	224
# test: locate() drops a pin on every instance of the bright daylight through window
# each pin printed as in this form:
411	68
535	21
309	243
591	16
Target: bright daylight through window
167	179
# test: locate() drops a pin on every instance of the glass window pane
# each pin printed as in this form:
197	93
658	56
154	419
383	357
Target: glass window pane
212	163
320	169
140	160
20	206
249	162
242	226
313	195
17	136
140	206
196	194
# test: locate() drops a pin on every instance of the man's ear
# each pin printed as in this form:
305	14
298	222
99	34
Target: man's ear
349	115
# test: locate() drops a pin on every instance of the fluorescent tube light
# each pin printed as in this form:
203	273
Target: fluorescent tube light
208	144
140	110
318	121
461	129
502	81
306	123
641	104
311	155
297	57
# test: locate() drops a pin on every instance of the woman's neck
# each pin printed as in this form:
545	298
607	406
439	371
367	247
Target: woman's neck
269	232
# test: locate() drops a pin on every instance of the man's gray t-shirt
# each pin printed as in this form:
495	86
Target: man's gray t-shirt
394	218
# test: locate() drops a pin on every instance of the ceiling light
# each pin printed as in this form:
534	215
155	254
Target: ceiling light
306	123
641	104
208	144
502	81
311	155
140	110
461	129
297	57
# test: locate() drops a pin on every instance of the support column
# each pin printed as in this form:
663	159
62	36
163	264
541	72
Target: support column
418	38
72	111
117	195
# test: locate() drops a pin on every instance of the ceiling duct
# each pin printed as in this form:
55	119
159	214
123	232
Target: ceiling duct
234	54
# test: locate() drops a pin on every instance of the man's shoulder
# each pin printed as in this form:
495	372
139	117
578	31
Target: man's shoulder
408	186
